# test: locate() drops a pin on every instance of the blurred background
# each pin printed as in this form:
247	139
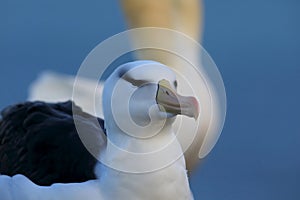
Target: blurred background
255	44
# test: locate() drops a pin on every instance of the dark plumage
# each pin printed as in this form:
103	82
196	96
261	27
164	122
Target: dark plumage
40	141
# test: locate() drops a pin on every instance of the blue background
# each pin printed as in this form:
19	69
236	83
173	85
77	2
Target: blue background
256	45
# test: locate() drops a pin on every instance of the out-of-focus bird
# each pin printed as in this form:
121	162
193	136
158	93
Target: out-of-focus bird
184	17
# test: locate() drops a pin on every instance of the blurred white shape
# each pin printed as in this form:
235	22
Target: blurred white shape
56	87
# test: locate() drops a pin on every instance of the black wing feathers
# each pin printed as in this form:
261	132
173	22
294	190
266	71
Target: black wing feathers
39	140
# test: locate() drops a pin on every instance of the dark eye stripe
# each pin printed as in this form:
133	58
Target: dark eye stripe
134	81
137	82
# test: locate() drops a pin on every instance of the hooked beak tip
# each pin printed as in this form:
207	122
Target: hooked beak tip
195	107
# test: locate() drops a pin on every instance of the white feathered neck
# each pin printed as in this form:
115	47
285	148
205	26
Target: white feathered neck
167	176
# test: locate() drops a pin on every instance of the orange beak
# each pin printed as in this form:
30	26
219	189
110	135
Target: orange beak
172	103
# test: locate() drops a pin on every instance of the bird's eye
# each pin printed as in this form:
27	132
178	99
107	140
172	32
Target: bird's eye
175	84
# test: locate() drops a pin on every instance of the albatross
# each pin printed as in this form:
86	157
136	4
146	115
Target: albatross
177	25
141	157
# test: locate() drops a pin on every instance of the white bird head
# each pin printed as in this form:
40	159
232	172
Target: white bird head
142	95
